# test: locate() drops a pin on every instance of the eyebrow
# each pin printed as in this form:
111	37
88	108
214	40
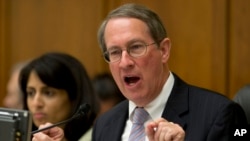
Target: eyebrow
133	41
128	43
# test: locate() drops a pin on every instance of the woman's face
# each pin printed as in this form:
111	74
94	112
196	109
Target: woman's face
47	104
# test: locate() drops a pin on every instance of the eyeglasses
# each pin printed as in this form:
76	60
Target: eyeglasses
135	50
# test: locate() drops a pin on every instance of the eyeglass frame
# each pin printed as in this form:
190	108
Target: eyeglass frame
107	58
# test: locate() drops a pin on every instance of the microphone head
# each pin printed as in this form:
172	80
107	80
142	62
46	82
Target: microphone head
82	110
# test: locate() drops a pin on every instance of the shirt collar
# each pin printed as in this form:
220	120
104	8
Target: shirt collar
156	107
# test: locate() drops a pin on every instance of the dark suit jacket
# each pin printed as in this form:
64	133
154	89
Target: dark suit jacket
203	114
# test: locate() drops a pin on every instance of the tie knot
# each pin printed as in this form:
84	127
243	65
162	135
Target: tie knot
140	115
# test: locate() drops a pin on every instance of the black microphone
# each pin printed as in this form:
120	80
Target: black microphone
83	109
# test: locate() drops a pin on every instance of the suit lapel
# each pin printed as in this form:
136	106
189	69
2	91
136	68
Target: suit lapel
114	130
177	104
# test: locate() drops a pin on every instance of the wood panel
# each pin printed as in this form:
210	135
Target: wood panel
3	64
239	45
2	80
67	26
219	54
210	39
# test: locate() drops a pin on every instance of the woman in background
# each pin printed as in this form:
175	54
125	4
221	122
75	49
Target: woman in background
54	86
14	97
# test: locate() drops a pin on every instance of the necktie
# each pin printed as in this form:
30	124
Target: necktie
138	129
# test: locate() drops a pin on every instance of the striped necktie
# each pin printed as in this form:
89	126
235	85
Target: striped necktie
138	129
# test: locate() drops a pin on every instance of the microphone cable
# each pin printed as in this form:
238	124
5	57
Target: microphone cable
82	110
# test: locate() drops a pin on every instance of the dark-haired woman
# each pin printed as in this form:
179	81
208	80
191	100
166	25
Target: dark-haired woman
55	85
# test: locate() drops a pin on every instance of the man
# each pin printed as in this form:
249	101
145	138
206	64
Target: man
135	44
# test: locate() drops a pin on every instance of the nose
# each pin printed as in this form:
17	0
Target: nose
126	60
37	101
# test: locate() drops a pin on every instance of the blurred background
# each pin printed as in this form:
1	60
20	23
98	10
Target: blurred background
210	38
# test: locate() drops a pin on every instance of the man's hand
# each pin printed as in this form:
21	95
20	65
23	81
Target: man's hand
163	130
53	134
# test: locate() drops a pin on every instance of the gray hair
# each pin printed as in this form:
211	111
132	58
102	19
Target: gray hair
155	25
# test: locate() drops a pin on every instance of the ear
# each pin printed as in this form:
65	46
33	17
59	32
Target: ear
165	47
